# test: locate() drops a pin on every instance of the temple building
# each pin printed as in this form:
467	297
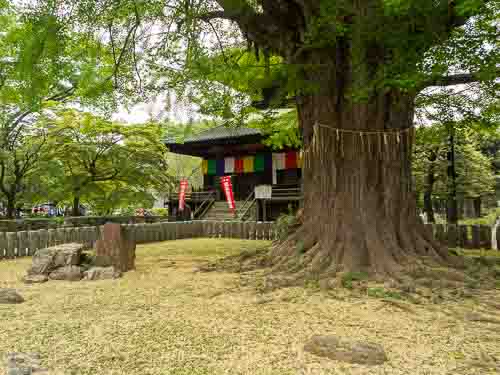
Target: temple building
265	182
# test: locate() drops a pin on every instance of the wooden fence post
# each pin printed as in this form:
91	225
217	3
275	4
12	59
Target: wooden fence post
463	236
23	243
452	235
34	241
485	235
3	245
476	239
12	245
51	237
44	238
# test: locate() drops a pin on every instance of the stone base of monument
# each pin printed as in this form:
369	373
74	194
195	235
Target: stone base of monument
115	253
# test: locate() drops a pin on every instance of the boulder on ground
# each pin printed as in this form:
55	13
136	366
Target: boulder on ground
346	351
10	296
101	273
35	279
47	260
24	363
68	273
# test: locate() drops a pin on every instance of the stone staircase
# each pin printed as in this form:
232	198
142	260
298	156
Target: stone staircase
220	211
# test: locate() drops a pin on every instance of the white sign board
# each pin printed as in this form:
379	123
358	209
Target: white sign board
263	192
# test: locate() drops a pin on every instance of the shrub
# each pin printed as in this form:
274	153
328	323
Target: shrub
159	211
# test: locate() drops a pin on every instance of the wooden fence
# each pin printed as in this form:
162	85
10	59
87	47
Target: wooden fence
25	243
465	236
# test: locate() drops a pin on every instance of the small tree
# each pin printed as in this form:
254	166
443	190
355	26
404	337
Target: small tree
474	172
92	151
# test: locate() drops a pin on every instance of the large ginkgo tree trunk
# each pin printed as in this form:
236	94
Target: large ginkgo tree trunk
355	67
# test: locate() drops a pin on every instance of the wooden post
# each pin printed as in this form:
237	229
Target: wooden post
34	239
485	235
463	236
11	244
264	210
23	243
251	230
3	245
476	239
452	235
498	238
51	237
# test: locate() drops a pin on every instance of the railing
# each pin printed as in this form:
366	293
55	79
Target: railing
197	196
282	192
245	208
202	210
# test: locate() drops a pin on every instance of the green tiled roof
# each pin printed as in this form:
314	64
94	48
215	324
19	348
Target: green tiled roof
220	133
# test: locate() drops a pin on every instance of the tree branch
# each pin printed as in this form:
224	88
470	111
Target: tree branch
455	79
263	29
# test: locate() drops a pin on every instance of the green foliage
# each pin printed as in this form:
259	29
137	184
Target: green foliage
159	211
282	128
474	169
284	224
106	164
383	293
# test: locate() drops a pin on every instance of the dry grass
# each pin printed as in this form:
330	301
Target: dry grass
164	318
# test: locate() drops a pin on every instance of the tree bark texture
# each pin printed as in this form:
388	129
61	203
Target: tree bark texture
359	205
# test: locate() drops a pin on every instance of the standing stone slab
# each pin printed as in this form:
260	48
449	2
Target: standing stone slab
116	245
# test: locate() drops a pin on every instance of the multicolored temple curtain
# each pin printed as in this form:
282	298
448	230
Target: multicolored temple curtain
229	165
249	164
238	165
212	167
259	163
291	160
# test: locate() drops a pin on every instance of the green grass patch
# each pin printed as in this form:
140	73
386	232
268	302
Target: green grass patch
349	277
383	293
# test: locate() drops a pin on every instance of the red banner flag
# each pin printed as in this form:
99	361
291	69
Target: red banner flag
182	194
227	187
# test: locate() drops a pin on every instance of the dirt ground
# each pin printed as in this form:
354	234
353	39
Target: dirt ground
164	318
